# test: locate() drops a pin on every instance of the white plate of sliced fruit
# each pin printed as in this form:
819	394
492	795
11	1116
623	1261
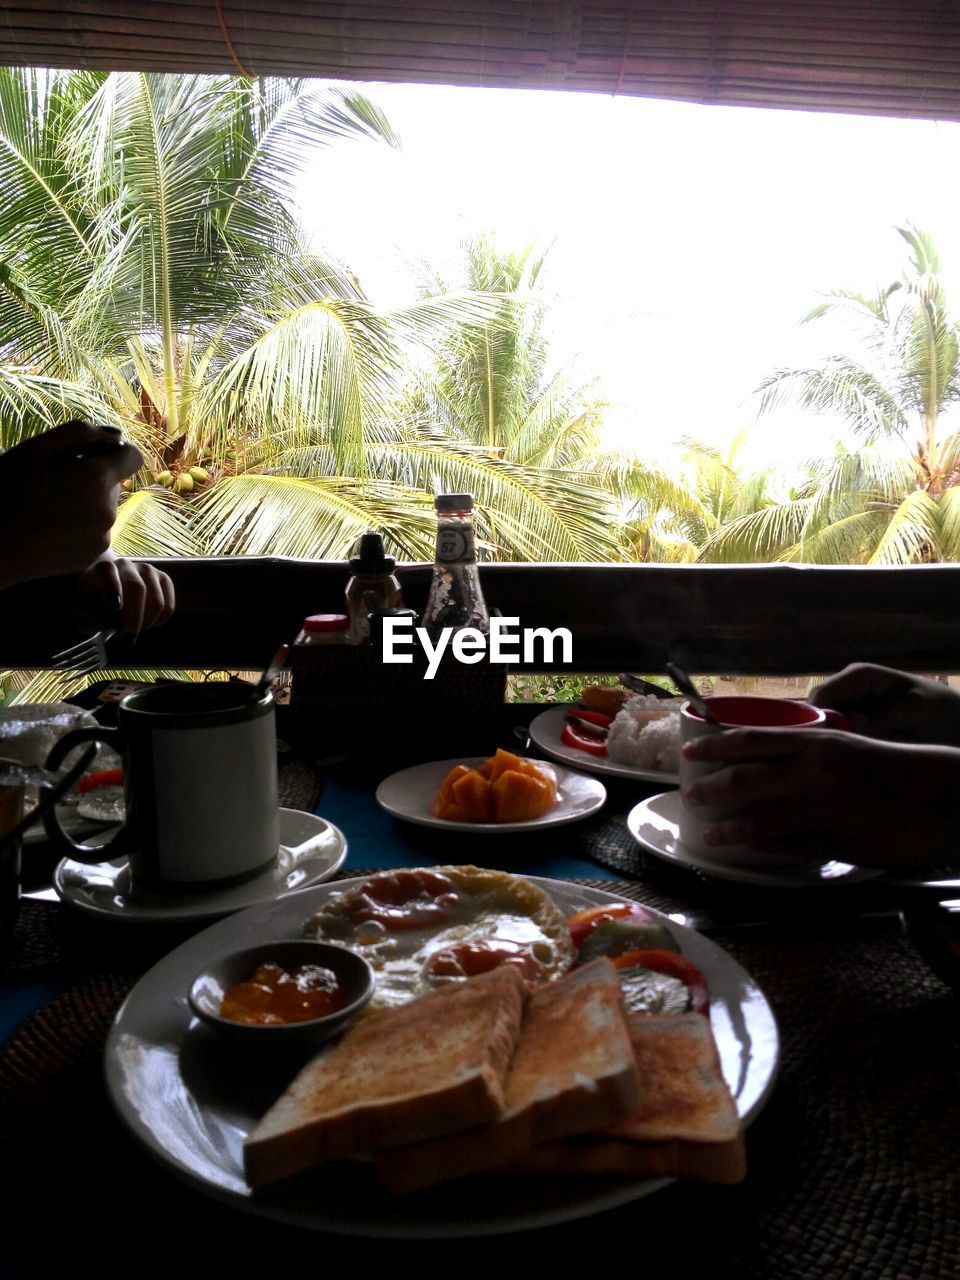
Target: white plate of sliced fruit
503	793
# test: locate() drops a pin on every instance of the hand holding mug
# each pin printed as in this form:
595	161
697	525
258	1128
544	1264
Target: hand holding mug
813	794
882	702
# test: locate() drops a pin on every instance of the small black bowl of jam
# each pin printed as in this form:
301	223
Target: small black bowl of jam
283	995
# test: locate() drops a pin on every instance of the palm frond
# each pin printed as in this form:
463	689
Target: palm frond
319	518
762	536
910	534
324	372
30	402
948	538
60	686
277	128
151	523
843	387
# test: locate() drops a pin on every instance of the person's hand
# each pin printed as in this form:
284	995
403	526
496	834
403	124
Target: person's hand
58	499
824	794
125	593
884	703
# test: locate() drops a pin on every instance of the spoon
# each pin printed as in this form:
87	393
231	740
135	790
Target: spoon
636	685
686	685
277	664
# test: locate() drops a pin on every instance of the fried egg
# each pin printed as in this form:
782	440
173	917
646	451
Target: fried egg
421	928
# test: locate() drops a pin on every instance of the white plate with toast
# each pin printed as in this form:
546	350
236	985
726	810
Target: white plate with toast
546	731
409	794
191	1105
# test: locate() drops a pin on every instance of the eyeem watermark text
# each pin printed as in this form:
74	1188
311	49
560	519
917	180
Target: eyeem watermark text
507	642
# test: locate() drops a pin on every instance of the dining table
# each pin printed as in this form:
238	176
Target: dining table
852	1160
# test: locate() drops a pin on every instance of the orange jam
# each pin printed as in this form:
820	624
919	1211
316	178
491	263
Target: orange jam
273	997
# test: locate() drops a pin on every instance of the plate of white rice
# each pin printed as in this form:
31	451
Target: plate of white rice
643	742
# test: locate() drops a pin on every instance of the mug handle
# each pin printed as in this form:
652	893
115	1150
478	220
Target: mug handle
86	853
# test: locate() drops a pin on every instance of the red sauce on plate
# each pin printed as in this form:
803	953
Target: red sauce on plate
273	997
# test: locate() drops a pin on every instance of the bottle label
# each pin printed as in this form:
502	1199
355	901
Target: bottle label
455	546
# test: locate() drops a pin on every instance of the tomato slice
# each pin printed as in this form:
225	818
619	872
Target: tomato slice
580	739
599	718
674	966
580	742
586	921
105	778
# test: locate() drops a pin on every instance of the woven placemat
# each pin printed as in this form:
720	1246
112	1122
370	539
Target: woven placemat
852	1162
299	783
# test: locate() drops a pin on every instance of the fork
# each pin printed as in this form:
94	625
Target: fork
87	656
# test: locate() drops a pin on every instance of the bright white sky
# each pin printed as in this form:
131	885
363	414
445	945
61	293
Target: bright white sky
687	241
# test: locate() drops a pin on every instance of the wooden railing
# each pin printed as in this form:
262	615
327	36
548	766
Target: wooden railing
755	620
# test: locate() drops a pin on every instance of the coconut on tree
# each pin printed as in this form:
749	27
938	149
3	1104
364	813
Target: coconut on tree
892	496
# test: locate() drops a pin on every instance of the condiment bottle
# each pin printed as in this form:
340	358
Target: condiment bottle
372	588
325	628
376	623
456	597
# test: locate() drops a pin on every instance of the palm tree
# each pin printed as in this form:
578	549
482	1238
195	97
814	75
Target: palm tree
151	270
485	411
672	515
893	497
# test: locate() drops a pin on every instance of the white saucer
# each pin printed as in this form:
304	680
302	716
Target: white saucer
311	851
654	824
410	793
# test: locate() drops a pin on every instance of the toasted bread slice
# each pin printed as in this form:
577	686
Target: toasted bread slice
573	1071
684	1092
686	1125
429	1067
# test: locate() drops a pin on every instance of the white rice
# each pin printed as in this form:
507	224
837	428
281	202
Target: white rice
646	733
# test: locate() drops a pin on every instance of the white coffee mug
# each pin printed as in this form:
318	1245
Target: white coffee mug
733	712
200	786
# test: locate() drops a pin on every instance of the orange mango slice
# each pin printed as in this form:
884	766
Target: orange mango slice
505	788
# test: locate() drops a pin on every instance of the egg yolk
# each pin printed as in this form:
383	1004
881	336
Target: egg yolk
406	900
469	958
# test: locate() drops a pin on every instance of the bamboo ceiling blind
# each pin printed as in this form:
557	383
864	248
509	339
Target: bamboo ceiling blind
885	57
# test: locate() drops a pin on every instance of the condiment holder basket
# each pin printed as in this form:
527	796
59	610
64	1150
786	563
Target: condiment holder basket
348	694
